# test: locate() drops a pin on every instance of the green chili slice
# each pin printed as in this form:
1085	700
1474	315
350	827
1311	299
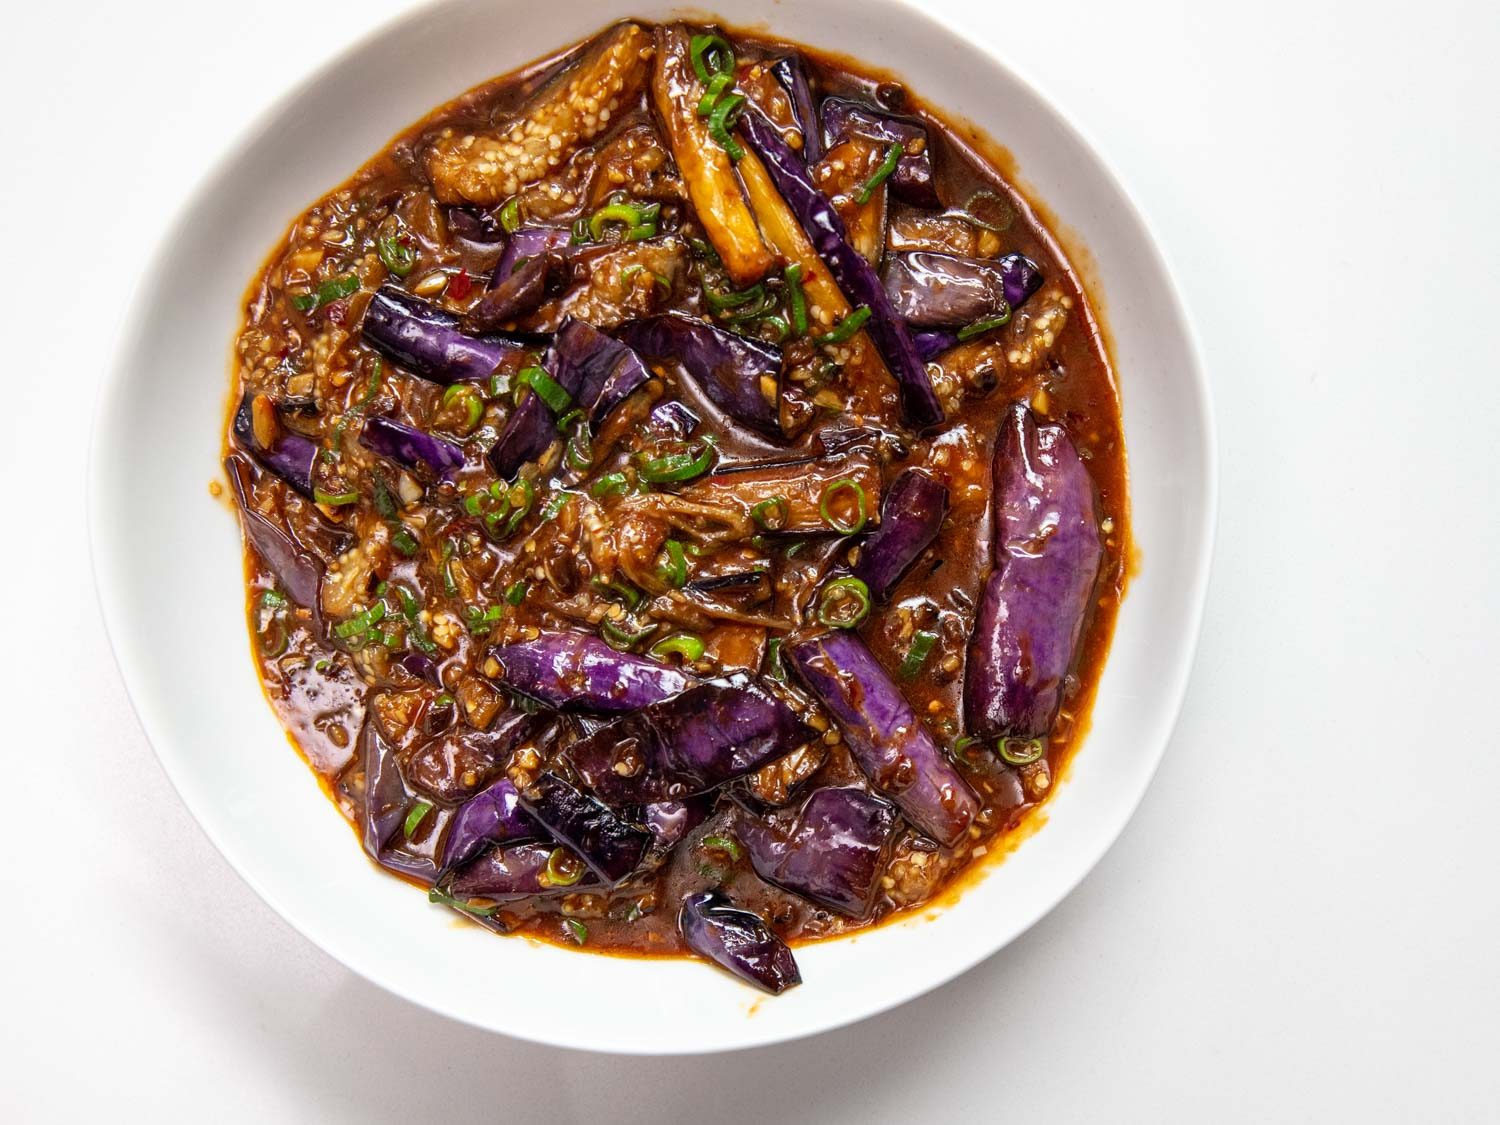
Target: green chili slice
515	593
334	289
722	119
621	638
548	389
677	467
510	215
335	499
273	600
674	571
1020	751
415	818
622	592
844	604
563	868
685	645
727	845
796	298
893	157
711	55
579	931
473	403
733	298
396	254
916	656
845	330
980	327
772	514
861	513
611	484
441	899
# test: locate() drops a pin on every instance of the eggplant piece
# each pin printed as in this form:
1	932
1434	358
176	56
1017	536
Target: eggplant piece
528	243
674	419
792	75
941	291
611	846
833	853
715	193
855	276
932	344
738	941
453	766
740	375
670	821
579	672
473	224
689	744
493	815
512	872
299	573
487	168
421	666
412	449
801	483
1048	555
841	176
889	742
753	586
910	518
430	342
913	181
385	806
516	294
290	457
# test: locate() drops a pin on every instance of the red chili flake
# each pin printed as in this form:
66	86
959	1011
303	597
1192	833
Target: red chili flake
460	285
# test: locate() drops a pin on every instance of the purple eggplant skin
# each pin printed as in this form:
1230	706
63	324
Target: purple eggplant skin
291	457
731	369
792	75
612	846
421	666
411	448
578	672
429	342
941	291
738	941
1048	555
834	853
515	871
913	180
674	419
855	276
530	242
493	815
671	821
689	744
934	343
386	804
911	515
516	295
889	742
299	573
474	225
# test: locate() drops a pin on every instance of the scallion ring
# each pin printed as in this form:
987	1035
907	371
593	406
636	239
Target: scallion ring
861	512
893	157
685	645
716	87
563	868
844	604
1020	751
989	324
674	571
510	215
916	655
548	389
846	329
711	55
772	514
677	467
335	499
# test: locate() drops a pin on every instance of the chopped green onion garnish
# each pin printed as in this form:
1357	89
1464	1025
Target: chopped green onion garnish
622	592
396	254
893	157
360	622
674	571
772	514
639	221
548	389
722	119
844	604
474	503
334	289
510	215
711	55
916	656
980	327
411	605
733	299
322	665
404	541
273	599
1020	751
611	484
335	499
725	844
515	593
385	502
774	668
521	496
480	621
415	818
563	868
685	645
554	505
845	330
825	507
621	638
677	467
439	897
716	87
473	403
579	931
796	298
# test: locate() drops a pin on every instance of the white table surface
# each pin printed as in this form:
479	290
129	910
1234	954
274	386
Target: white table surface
1300	924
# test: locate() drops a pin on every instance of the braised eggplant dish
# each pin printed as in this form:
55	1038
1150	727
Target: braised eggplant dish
684	499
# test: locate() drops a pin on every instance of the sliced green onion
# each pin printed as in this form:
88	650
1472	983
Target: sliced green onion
473	403
845	330
916	656
404	541
685	645
716	87
396	254
844	604
825	506
1020	751
728	845
554	505
273	600
515	593
548	389
474	503
563	868
385	502
441	899
411	605
322	665
677	467
450	587
674	571
415	818
772	514
774	668
335	499
480	621
639	221
711	55
579	450
893	157
510	215
618	637
521	496
734	298
779	330
721	120
796	298
622	592
361	622
611	484
980	327
334	289
499	385
579	931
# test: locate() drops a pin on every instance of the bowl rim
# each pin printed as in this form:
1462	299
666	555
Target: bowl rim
131	326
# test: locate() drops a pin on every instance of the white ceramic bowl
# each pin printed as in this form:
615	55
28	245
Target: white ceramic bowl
167	556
